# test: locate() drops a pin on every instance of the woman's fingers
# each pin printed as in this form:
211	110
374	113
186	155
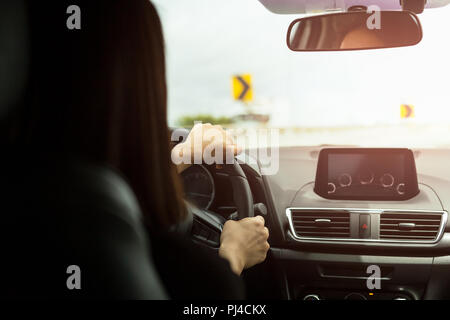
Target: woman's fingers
266	233
212	143
245	241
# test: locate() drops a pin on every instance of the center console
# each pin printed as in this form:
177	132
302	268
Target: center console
353	227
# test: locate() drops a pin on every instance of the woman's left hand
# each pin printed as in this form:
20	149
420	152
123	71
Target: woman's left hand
206	143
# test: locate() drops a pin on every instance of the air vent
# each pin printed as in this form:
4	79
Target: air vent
321	224
410	226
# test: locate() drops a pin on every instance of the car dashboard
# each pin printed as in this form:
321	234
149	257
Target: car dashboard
325	248
407	240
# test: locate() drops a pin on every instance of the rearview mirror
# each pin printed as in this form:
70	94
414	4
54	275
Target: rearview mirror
354	31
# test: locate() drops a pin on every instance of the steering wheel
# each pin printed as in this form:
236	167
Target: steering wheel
242	197
242	194
205	226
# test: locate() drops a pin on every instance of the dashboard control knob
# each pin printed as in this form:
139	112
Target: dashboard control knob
331	188
345	180
311	297
401	188
366	177
387	180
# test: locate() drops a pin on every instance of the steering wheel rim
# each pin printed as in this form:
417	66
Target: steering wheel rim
242	197
242	194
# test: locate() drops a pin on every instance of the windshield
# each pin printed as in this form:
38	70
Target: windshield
389	98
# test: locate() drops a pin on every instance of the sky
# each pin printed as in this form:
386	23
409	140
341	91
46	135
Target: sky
209	41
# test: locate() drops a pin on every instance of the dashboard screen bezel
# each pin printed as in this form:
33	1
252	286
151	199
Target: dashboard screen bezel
410	173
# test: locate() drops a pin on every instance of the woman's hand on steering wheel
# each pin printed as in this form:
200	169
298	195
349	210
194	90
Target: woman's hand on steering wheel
206	143
244	243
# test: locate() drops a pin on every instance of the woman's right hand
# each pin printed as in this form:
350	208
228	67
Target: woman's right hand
244	243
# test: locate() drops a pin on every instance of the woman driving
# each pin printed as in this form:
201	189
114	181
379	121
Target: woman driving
100	93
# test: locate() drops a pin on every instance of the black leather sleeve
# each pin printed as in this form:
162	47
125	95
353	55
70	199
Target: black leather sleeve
193	272
58	214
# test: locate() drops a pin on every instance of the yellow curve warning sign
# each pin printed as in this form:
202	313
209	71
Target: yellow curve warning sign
242	87
406	111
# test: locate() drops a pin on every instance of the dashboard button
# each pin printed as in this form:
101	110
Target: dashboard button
364	226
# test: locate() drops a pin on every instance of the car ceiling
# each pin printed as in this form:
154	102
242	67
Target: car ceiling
313	6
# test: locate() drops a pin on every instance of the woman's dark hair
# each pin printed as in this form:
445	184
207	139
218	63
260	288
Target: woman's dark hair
100	92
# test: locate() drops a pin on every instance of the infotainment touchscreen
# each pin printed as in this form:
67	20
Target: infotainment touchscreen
366	174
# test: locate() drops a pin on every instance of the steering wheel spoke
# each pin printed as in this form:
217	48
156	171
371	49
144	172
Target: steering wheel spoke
206	227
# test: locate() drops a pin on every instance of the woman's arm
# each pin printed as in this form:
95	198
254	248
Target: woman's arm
243	243
193	272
